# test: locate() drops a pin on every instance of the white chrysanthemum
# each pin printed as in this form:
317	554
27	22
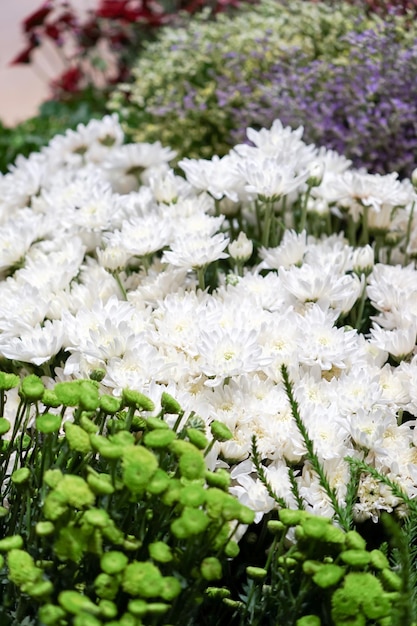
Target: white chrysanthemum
129	371
141	236
218	176
269	178
399	342
21	304
290	251
196	251
17	235
36	344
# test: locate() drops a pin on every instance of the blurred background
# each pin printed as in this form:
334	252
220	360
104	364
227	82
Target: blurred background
22	88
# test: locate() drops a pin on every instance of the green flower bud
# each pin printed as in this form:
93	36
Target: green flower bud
231	549
70	544
220	431
172	494
137	399
390	580
354	541
311	567
159	438
157	608
50	399
160	552
170	405
89	398
132	543
379	560
156	423
110	404
96	517
138	465
194	520
197	438
355	558
275	527
127	619
50	615
217	592
68	393
211	568
31	388
39	590
291	517
315	527
43	529
113	534
113	562
85	619
214	502
193	495
100	485
329	576
87	423
344	606
106	448
108	609
22	568
142	579
97	374
220	478
192	465
256	573
4	425
20	476
11	543
106	586
76	491
377	606
55	506
159	482
171	588
123	438
334	535
52	477
75	603
8	381
138	608
77	438
48	423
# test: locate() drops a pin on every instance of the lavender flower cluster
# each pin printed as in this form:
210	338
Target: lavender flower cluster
365	108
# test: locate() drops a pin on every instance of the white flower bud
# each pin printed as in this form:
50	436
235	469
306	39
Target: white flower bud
241	249
316	170
363	260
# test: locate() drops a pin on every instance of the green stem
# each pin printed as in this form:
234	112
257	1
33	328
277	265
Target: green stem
120	284
408	233
200	275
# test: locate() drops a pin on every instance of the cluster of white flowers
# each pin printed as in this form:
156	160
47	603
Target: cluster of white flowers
102	247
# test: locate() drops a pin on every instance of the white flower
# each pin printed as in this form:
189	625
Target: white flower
399	342
269	178
195	251
241	249
34	344
290	251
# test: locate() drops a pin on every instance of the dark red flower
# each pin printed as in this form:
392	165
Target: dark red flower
37	17
24	56
69	81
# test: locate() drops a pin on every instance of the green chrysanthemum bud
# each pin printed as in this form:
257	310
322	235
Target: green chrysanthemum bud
160	552
106	586
256	573
315	527
55	506
106	448
345	606
197	438
170	405
328	576
11	543
214	502
43	529
377	606
137	399
159	438
22	568
86	619
311	567
70	544
156	423
138	608
211	568
159	482
354	541
96	517
89	397
39	590
76	491
193	495
291	517
194	520
123	438
97	374
8	381
113	562
20	476
220	478
231	549
4	425
334	535
52	477
379	560
142	579
50	615
110	404
50	399
108	609
192	465
172	493
355	558
87	423
113	534
157	608
138	465
275	527
170	589
217	592
390	580
31	388
48	423
220	431
68	393
77	438
75	603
